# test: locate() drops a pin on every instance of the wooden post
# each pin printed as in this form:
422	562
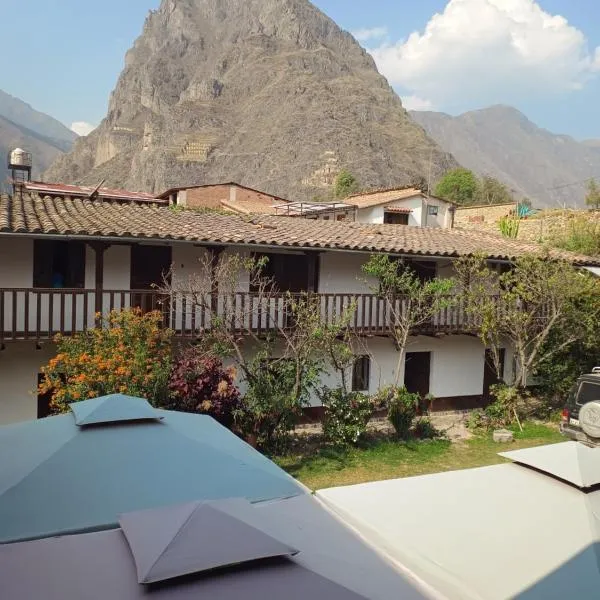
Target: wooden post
312	284
215	252
99	248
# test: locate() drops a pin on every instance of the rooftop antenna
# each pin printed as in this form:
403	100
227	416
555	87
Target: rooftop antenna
94	193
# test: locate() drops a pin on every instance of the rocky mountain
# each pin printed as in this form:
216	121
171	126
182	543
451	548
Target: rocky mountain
500	141
24	127
269	93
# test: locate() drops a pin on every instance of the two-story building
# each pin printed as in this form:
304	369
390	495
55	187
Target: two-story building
62	259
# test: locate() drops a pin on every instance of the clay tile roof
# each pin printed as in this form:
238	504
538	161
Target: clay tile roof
374	198
62	189
399	209
266	206
30	214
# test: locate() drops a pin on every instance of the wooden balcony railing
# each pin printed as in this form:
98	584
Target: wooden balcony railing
42	313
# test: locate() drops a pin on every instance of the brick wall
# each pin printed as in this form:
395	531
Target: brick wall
207	197
211	196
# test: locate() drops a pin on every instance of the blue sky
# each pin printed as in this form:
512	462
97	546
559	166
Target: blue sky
537	55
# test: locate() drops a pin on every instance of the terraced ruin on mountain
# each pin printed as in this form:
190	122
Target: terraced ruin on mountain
269	93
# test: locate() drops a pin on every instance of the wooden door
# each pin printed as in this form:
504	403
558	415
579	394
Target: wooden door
417	367
150	267
490	377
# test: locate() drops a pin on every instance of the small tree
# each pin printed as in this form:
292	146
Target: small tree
409	301
277	341
538	299
459	185
592	198
345	184
492	191
129	354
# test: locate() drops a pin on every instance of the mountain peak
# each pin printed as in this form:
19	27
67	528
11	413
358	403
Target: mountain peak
271	93
502	142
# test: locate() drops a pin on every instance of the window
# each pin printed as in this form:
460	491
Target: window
340	218
393	218
361	372
433	210
588	392
58	264
425	270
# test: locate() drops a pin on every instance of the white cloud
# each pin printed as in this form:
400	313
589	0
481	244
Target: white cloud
416	103
82	128
374	33
489	51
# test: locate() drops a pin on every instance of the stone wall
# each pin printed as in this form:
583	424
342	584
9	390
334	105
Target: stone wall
481	217
539	228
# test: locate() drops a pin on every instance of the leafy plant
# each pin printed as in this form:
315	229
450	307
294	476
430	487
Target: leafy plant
540	307
458	185
582	235
409	302
275	398
345	184
425	430
509	227
129	354
476	419
200	384
592	197
346	415
401	406
288	353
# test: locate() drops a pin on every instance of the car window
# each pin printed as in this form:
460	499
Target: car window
588	392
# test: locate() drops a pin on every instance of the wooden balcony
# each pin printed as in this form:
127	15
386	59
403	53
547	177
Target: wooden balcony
39	314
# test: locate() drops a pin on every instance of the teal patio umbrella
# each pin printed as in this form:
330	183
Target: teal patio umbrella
77	472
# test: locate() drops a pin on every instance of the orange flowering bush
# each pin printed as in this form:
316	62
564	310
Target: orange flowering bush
129	354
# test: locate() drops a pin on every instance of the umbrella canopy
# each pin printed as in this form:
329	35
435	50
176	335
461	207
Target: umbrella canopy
229	549
528	530
77	472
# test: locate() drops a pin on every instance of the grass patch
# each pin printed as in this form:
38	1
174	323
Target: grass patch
383	458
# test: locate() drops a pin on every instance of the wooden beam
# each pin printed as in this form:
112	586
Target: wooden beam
99	248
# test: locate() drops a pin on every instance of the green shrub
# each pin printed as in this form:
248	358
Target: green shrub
477	419
346	415
425	430
509	406
274	400
401	406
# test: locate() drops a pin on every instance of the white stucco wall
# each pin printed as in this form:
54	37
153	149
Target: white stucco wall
418	216
20	364
341	273
117	268
16	262
370	215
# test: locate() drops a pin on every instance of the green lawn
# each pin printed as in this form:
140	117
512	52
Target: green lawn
386	459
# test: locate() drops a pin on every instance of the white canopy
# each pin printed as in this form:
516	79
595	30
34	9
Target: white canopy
505	531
